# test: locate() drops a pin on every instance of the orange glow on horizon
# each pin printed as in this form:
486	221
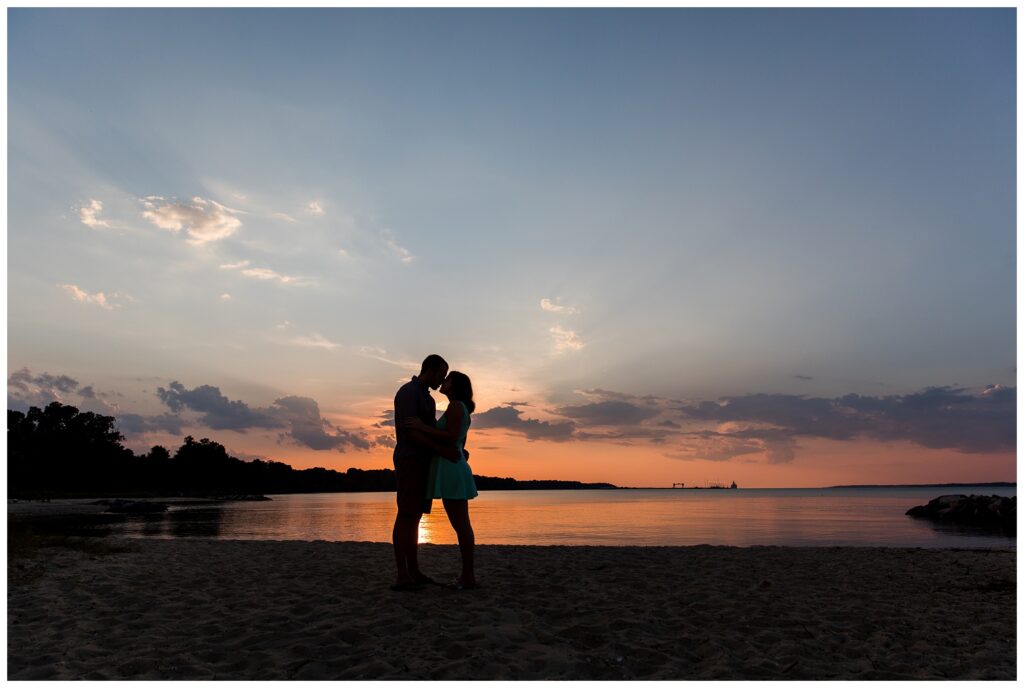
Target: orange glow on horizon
818	463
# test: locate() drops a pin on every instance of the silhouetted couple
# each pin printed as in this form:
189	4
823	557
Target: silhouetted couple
431	463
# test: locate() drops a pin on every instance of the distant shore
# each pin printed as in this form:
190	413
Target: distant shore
108	608
827	487
937	485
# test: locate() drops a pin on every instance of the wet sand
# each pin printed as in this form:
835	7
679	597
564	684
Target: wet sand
205	609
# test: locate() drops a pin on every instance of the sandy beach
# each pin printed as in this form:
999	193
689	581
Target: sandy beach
205	609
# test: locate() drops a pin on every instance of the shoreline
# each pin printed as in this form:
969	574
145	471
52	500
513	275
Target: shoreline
204	609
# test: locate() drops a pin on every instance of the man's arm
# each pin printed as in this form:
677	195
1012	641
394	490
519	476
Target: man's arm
447	451
453	424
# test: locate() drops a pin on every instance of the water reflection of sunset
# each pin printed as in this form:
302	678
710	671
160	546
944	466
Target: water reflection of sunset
434	527
426	531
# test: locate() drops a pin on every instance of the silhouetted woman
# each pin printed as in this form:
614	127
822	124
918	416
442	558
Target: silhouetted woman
451	480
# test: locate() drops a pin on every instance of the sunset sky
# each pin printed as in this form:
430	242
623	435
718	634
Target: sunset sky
775	247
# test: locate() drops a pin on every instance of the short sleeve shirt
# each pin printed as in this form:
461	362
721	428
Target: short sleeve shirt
413	400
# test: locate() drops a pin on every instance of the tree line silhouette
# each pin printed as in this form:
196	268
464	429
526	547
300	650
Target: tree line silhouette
60	450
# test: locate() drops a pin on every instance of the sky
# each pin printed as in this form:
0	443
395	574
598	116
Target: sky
775	247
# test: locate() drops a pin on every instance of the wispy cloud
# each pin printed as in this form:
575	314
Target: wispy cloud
79	294
202	219
314	341
403	253
225	297
382	355
315	209
88	214
283	216
553	307
268	274
262	273
565	340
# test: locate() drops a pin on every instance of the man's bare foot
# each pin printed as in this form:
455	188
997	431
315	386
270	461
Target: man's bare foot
462	583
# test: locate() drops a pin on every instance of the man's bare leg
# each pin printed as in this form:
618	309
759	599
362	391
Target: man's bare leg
403	537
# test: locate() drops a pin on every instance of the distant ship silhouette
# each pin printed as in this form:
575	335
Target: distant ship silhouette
712	486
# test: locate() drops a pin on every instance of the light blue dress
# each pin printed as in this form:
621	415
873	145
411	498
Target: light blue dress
452	479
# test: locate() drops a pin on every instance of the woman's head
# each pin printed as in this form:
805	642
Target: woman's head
457	386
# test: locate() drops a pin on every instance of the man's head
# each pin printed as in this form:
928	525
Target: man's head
433	371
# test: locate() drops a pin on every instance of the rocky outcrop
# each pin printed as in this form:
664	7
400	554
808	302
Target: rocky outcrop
129	506
994	513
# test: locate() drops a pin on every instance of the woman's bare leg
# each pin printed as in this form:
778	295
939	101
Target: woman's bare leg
458	516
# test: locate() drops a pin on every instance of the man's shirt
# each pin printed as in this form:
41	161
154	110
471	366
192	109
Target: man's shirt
413	400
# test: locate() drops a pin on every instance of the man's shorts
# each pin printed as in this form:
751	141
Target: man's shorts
411	476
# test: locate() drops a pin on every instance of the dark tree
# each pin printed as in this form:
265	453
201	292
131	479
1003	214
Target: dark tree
60	448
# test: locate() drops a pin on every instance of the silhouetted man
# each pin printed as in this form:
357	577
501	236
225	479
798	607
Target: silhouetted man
413	453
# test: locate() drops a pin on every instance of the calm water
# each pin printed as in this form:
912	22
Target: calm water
815	517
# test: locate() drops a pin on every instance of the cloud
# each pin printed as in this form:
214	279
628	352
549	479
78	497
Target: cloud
772	425
268	274
88	214
307	428
203	220
284	217
403	254
565	340
379	354
299	417
609	413
713	446
314	341
551	307
225	297
132	424
315	209
510	418
604	394
24	380
803	377
78	294
622	418
261	273
936	418
217	411
25	390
